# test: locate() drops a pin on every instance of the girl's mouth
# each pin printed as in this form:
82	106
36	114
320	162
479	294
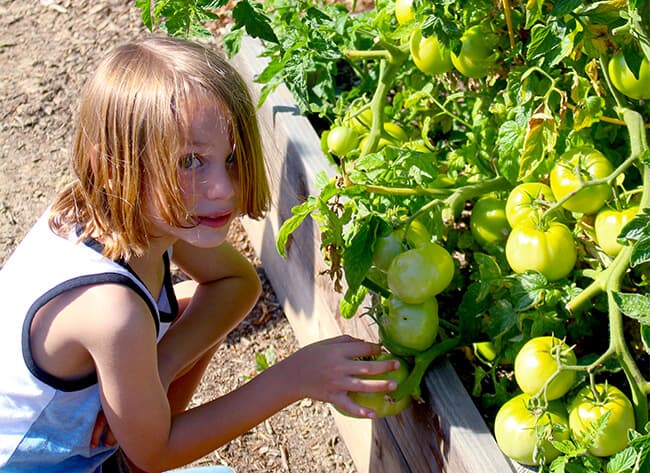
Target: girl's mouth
214	221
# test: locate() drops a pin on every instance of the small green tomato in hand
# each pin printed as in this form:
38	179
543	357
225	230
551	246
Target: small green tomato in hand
420	273
536	363
524	433
382	403
586	409
608	226
412	326
574	167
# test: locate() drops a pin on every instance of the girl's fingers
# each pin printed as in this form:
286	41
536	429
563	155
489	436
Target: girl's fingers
350	407
371	385
371	367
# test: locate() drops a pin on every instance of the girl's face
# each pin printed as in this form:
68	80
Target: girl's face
207	178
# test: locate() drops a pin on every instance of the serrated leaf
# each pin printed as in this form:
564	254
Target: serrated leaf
468	311
256	24
563	7
539	140
636	306
510	140
528	290
357	255
588	112
351	301
641	252
622	461
300	212
502	317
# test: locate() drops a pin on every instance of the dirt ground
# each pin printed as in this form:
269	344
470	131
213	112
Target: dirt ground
47	49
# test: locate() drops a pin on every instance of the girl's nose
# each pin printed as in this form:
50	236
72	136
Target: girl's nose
220	184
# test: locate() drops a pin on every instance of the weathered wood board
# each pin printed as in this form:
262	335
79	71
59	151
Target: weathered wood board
444	434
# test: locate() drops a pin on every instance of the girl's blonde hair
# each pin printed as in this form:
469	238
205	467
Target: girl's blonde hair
132	122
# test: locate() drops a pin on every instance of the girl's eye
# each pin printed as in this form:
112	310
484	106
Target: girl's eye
190	161
231	160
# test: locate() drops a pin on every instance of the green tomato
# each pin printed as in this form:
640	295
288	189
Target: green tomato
412	326
342	140
551	252
527	202
608	226
484	351
488	222
420	273
381	403
625	82
395	133
536	363
585	410
477	57
428	54
387	248
404	11
521	432
576	165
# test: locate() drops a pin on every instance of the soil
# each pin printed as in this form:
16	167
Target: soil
47	49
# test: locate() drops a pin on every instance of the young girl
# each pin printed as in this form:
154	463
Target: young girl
99	348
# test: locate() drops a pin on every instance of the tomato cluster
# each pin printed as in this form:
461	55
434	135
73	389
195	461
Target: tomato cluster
597	416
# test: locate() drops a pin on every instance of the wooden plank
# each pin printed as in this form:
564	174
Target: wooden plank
446	433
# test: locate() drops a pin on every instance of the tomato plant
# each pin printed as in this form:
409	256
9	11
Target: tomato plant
602	415
608	225
537	362
635	87
534	85
488	222
412	326
549	250
576	166
524	433
382	403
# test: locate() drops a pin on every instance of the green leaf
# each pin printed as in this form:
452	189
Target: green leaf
563	7
588	112
300	212
509	144
636	306
469	310
351	301
549	44
256	23
502	317
357	255
540	139
638	227
145	6
528	290
641	252
622	461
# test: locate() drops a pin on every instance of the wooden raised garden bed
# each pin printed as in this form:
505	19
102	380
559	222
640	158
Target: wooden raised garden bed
444	434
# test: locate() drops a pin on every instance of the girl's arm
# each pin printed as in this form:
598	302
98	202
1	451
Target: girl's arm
135	403
228	288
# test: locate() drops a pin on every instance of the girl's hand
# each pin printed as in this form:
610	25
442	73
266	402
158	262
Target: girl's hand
329	369
100	430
